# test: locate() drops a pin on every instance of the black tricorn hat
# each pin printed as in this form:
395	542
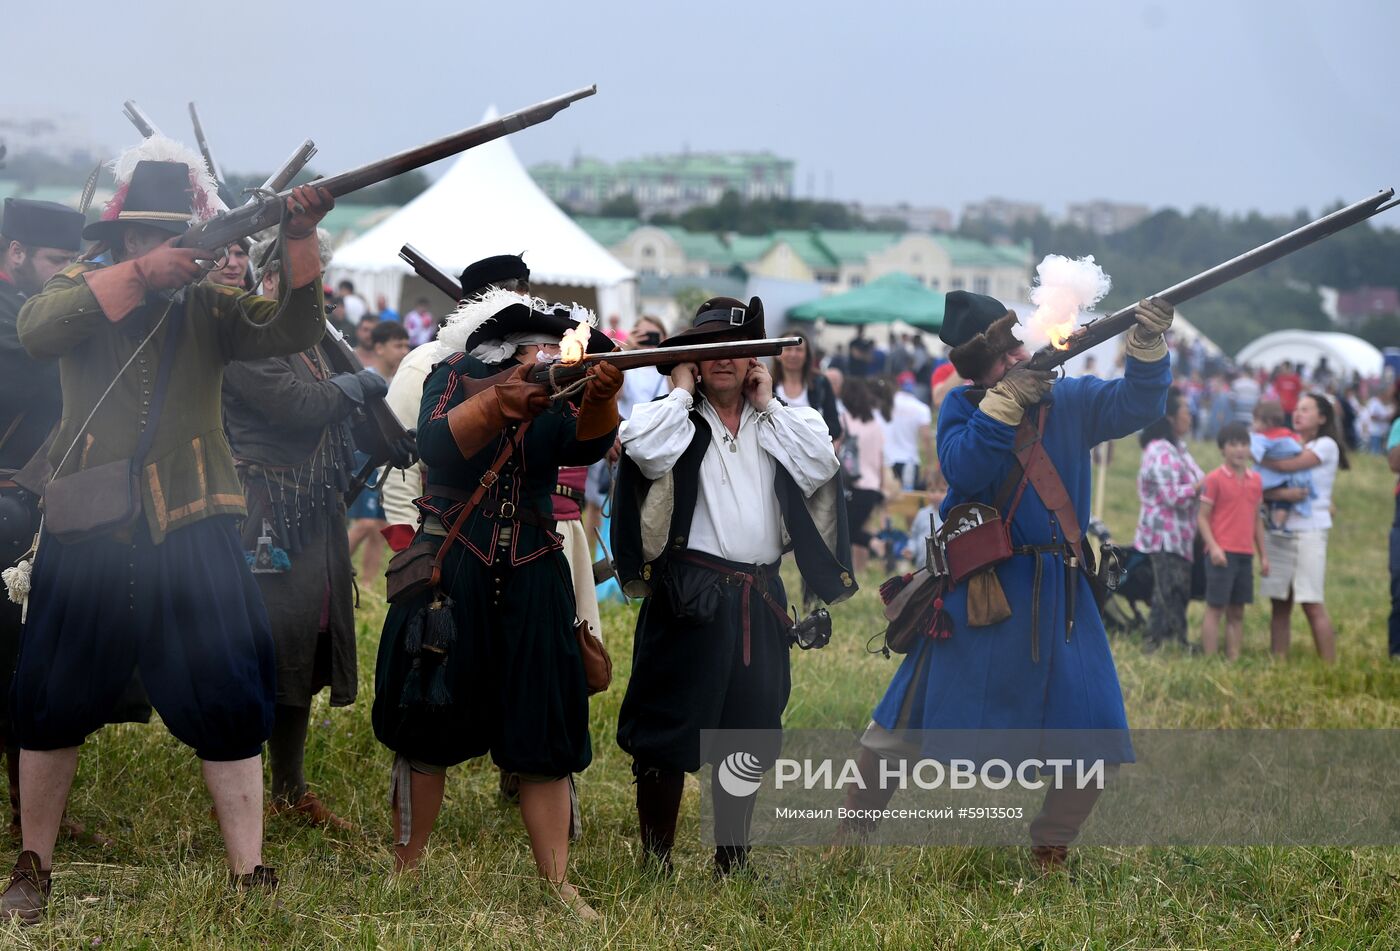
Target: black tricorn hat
158	195
965	315
521	318
493	270
42	224
718	320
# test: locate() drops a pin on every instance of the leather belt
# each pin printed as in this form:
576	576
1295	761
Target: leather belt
750	580
1066	551
505	510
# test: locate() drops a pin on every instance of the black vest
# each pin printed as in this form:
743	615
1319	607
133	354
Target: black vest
827	574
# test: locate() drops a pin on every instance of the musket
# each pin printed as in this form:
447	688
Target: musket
223	229
430	272
210	162
558	375
1097	331
280	179
143	124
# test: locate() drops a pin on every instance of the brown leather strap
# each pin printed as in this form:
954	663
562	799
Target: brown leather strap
14	424
488	479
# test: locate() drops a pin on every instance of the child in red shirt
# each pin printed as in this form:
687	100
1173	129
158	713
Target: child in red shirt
1231	525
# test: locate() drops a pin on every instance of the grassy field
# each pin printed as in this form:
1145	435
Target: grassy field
163	884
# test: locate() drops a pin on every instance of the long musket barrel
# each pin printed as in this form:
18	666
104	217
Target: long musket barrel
430	272
564	373
1097	331
143	124
280	179
247	219
210	162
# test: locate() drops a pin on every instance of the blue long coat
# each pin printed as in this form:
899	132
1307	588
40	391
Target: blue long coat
985	678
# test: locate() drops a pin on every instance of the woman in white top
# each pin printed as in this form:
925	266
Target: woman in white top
863	460
797	384
1298	554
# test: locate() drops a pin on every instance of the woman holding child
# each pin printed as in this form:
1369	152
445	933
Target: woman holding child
1298	554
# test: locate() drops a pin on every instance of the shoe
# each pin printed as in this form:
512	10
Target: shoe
1050	859
27	896
569	895
310	809
263	878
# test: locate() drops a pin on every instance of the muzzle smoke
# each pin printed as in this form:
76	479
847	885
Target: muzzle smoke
1064	294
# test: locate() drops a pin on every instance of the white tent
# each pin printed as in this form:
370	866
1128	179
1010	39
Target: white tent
1344	353
486	204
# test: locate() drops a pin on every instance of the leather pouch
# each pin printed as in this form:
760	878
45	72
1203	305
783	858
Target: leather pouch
597	665
92	502
693	593
414	570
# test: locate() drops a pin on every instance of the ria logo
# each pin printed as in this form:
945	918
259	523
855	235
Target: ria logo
740	775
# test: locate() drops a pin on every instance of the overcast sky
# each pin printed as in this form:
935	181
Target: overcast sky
1268	104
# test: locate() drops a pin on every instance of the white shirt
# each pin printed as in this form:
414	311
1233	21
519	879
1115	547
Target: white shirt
907	417
1324	475
736	511
794	399
405	397
353	308
639	385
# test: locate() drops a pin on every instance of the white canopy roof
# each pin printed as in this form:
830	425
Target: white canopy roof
1344	352
485	204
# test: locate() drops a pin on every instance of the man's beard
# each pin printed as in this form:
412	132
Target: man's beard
26	278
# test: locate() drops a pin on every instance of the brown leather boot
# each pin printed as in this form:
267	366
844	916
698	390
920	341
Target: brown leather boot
27	896
311	810
1050	859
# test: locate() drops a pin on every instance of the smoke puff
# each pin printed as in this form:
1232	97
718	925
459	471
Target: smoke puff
1065	292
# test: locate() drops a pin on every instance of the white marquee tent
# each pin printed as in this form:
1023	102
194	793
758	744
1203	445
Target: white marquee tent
1344	353
486	204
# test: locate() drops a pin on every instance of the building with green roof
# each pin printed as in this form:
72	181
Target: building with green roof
671	183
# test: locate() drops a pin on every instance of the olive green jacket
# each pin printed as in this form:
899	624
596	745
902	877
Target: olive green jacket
188	474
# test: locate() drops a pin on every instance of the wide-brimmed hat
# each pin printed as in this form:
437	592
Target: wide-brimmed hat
493	316
493	270
42	224
161	183
978	330
718	320
158	195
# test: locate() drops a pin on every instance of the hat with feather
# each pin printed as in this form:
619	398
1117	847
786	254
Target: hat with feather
160	183
490	326
979	330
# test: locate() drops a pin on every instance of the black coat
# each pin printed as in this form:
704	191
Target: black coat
287	426
31	400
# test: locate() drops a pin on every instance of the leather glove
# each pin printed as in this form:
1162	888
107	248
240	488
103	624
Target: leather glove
477	422
360	387
308	204
404	452
598	414
1021	387
1154	318
121	288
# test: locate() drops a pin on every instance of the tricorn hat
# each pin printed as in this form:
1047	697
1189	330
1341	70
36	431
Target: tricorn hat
718	320
493	270
978	330
42	224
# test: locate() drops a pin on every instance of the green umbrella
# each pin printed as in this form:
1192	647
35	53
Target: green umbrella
882	301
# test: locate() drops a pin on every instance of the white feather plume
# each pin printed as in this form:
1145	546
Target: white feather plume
160	148
474	312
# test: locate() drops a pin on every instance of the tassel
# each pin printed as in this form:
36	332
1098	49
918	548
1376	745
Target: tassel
891	588
412	693
942	625
17	580
429	639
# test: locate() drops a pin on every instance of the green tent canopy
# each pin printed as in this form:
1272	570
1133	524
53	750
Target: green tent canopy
882	301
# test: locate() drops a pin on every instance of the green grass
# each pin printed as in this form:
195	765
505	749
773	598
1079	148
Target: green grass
163	885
